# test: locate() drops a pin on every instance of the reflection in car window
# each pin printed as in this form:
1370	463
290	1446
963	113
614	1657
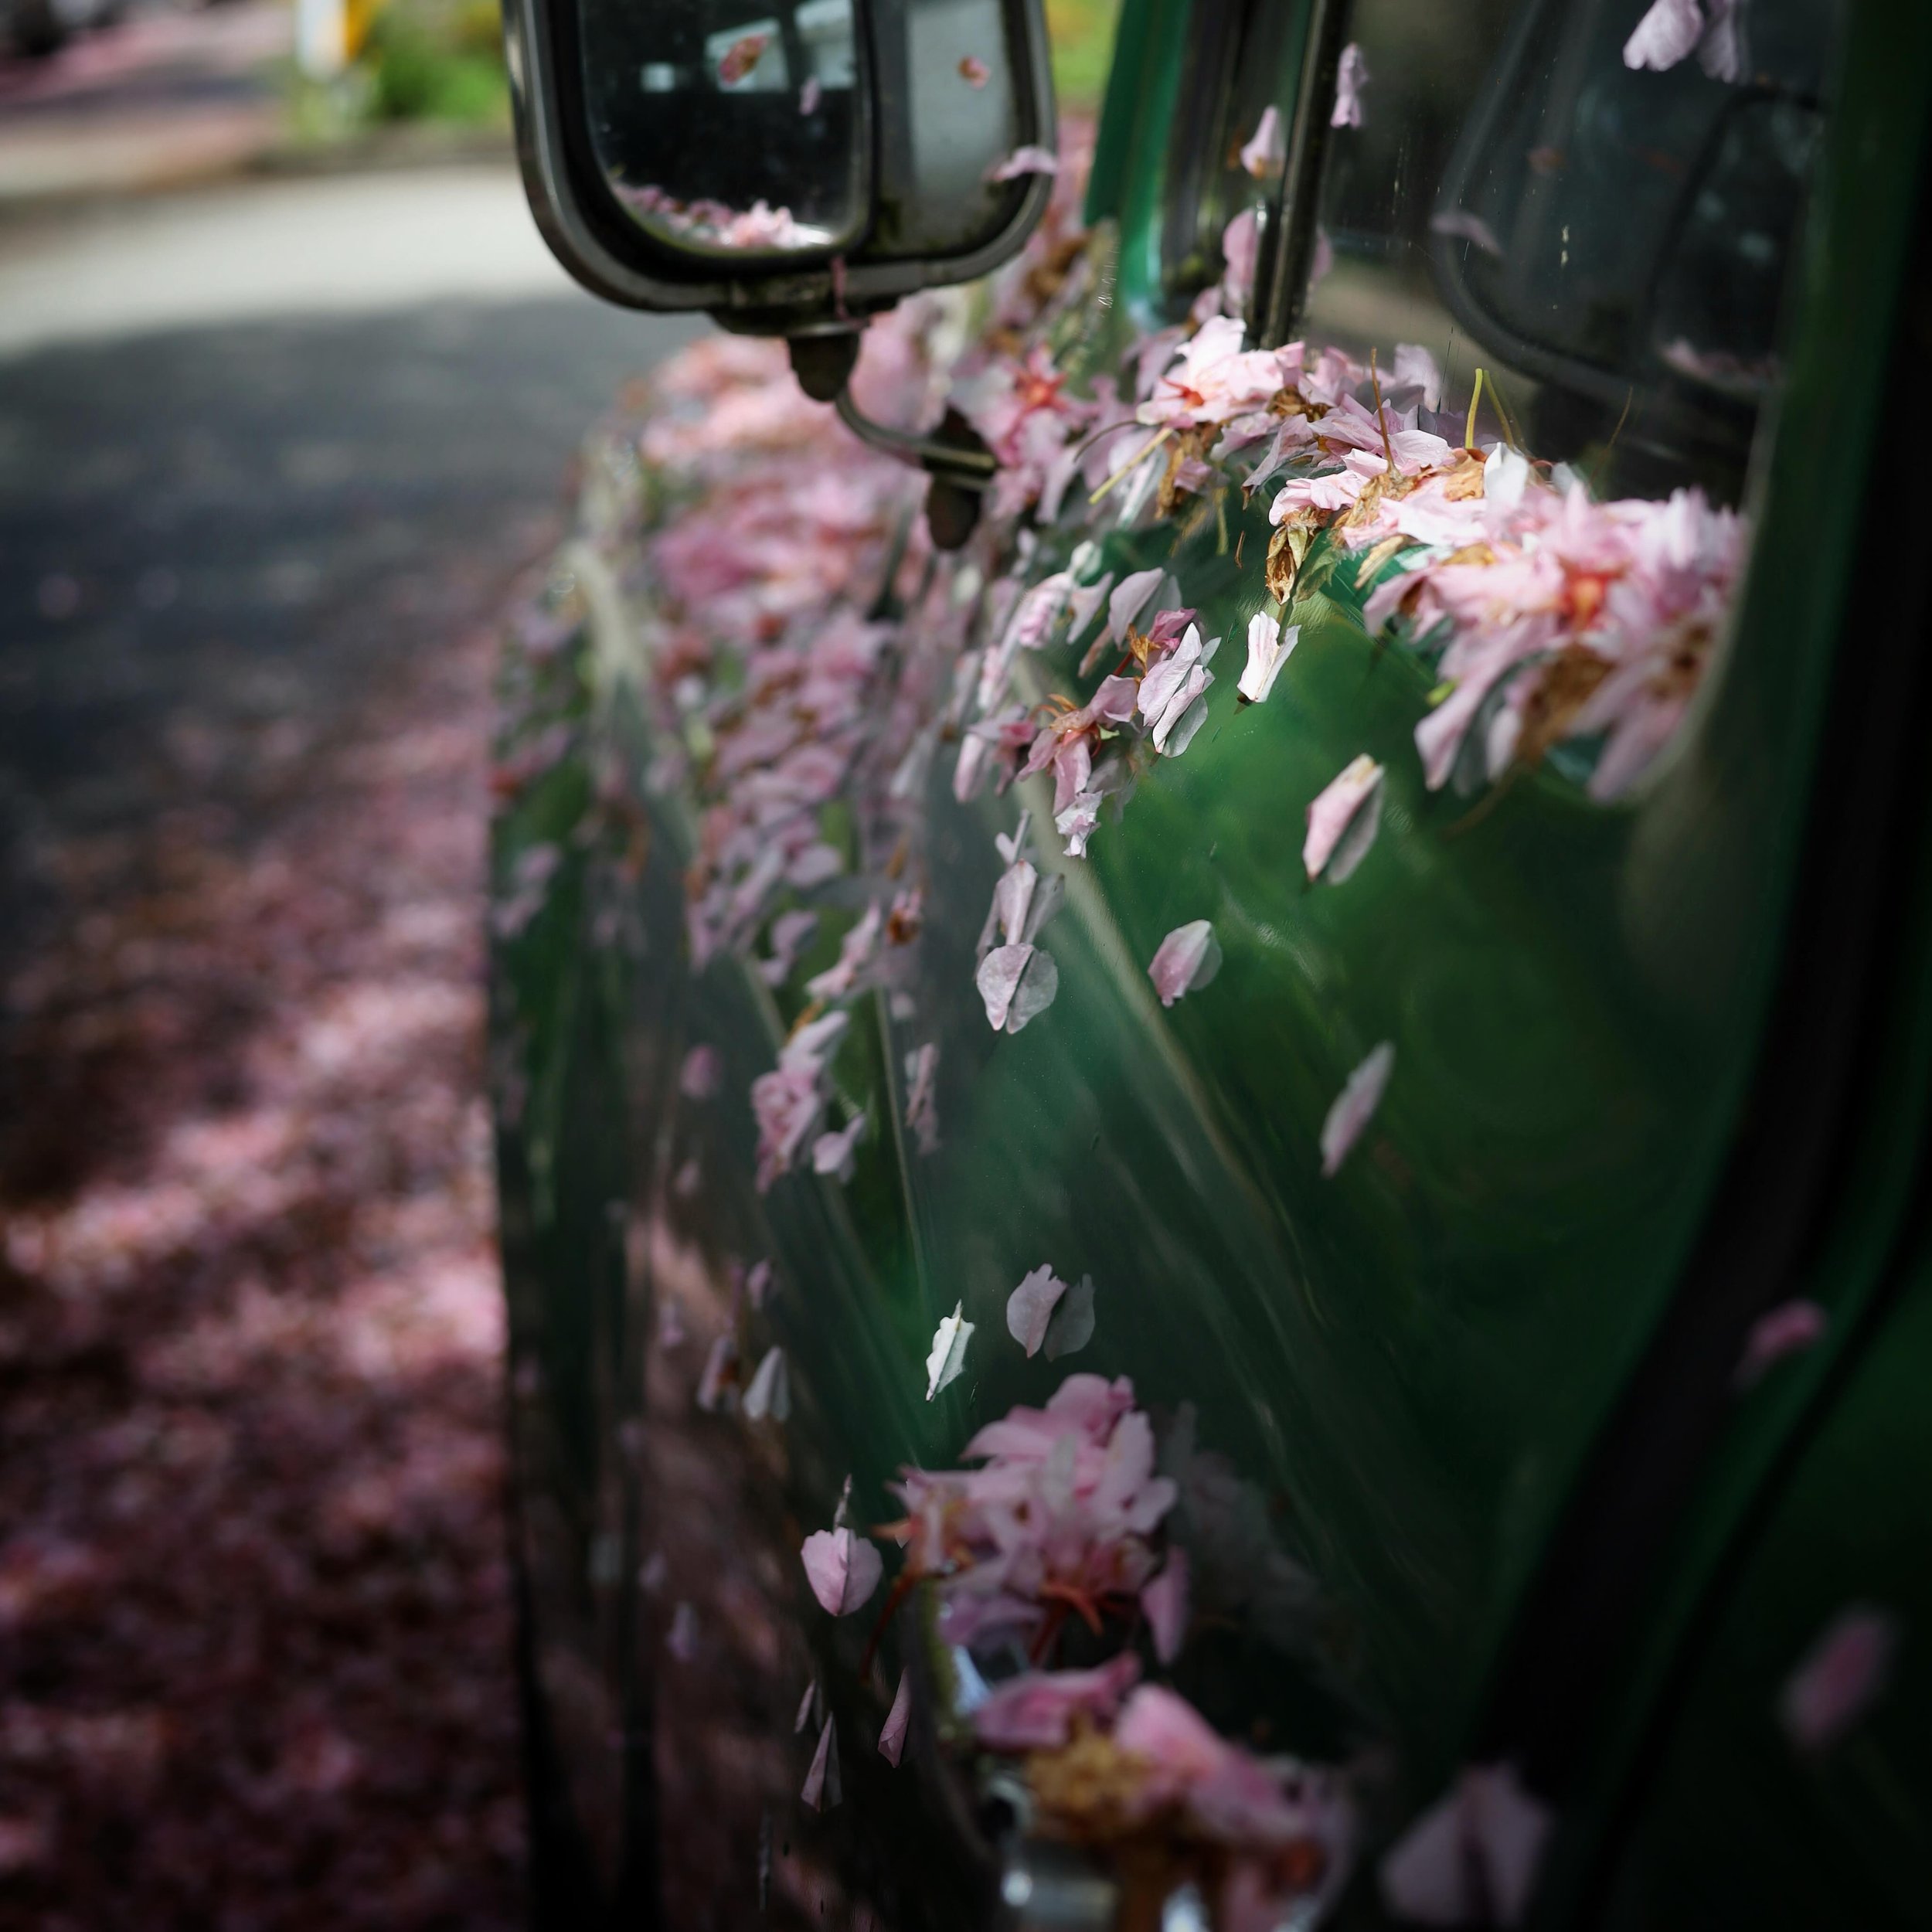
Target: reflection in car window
1600	216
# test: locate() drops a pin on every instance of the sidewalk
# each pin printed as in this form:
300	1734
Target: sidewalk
166	98
174	98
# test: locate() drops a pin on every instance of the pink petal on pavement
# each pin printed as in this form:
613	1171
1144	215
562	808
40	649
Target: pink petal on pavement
1187	959
843	1568
1839	1678
1354	1107
1343	820
1030	1307
1164	1599
892	1740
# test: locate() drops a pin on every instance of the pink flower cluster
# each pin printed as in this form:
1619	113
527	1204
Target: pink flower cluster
1138	1760
718	225
1060	1520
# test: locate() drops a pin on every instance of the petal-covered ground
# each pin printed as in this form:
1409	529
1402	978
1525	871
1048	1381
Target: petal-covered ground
255	1653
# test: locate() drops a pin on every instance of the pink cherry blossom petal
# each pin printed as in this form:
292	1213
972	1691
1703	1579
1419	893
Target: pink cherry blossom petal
922	1097
821	1791
1072	1327
1130	598
843	1568
1785	1330
1025	160
699	1076
1840	1678
1351	76
892	1739
1343	820
1475	1850
681	1639
1030	1307
1354	1107
1035	1711
1266	149
1666	35
1187	959
1164	1601
836	1154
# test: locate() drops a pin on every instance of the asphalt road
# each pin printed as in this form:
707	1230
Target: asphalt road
272	463
255	444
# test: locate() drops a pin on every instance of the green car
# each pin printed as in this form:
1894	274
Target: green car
1211	1127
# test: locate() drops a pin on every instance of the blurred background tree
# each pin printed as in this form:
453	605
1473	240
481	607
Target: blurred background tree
441	61
1082	34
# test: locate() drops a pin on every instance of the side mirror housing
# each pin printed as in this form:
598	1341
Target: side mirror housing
790	166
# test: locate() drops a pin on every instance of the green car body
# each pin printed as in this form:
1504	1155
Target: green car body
1661	1066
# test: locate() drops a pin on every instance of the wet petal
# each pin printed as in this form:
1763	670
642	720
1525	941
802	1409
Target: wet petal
1025	160
948	1355
1475	1850
1129	600
1666	35
699	1076
1030	1307
1266	149
821	1789
681	1639
1072	1327
770	1391
1164	1601
1354	1107
1840	1677
892	1739
1188	958
1343	820
843	1568
1785	1330
1268	650
834	1153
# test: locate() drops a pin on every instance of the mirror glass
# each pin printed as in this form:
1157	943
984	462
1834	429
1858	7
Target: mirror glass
731	126
952	64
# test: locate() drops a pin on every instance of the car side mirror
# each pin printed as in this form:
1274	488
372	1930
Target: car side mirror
791	166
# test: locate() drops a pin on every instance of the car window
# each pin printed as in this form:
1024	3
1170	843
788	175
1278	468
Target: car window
1599	213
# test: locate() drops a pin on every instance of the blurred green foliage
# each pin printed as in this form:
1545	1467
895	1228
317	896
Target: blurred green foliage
437	61
1082	35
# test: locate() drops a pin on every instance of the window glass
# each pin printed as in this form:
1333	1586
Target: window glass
1597	210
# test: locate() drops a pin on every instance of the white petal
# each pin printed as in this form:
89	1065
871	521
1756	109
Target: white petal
770	1391
948	1354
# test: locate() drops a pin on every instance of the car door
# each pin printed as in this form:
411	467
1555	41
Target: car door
1374	1176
